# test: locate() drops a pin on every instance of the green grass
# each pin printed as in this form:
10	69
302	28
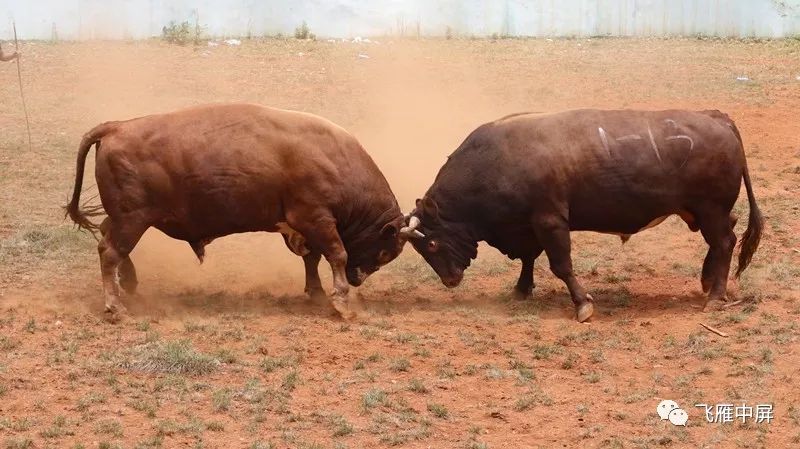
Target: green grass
400	365
177	357
417	386
438	410
373	398
270	364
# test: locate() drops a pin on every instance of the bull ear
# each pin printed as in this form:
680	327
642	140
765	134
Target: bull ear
429	207
390	230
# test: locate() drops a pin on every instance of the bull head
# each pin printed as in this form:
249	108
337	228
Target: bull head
410	230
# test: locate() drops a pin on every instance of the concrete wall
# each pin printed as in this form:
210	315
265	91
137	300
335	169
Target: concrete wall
127	19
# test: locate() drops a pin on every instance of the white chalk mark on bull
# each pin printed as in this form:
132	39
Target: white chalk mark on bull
691	142
629	137
653	143
604	138
691	146
294	240
673	122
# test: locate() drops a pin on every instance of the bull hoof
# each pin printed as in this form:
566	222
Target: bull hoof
706	284
340	304
315	293
714	304
519	295
585	310
115	314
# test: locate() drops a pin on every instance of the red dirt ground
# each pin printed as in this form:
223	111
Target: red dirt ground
423	366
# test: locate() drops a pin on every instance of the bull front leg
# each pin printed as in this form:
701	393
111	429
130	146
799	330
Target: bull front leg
322	238
313	283
552	231
525	284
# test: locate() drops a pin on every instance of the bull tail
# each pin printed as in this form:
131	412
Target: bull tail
73	209
755	223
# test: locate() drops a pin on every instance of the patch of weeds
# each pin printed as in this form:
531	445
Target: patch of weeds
438	410
146	406
400	365
569	361
444	370
154	442
765	356
226	356
405	337
373	398
340	426
368	333
592	377
215	426
30	326
533	397
638	396
109	427
8	344
169	357
614	278
221	400
545	351
262	445
19	443
417	386
57	430
270	364
290	380
91	398
422	352
578	337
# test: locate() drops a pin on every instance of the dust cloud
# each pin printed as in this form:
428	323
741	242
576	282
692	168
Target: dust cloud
407	112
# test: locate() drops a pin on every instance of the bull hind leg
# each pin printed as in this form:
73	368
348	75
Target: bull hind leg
552	232
126	270
127	276
114	248
717	230
707	277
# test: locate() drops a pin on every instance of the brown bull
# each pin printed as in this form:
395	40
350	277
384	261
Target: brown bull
523	182
210	171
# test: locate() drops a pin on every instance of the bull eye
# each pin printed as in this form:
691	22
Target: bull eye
433	246
383	256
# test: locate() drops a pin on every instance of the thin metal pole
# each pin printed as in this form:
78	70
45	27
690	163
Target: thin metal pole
21	92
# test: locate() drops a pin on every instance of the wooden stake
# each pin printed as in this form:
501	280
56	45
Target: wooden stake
716	331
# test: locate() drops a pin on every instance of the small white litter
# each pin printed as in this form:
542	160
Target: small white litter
742	78
357	40
233	42
213	44
363	56
300	53
798	78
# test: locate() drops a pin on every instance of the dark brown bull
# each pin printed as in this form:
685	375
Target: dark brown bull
523	182
210	171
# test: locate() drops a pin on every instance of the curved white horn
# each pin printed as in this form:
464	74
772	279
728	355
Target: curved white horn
411	230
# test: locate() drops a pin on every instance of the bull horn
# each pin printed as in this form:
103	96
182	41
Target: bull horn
411	231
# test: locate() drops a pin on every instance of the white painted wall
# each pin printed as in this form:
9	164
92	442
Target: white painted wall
126	19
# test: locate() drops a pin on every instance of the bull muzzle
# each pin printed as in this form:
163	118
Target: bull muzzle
410	230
